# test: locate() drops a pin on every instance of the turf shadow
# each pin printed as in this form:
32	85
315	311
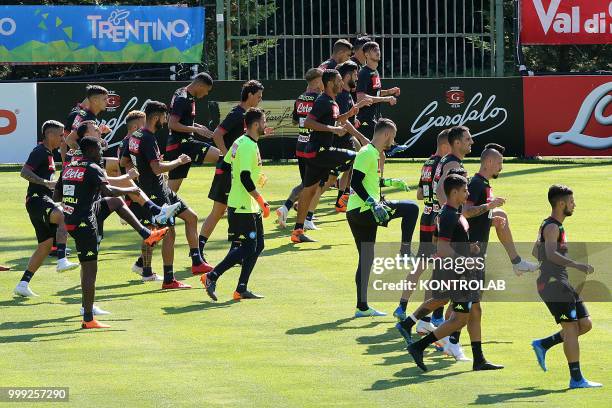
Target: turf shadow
332	326
197	307
413	375
521	393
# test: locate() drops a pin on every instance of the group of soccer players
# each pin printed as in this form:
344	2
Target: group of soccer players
343	141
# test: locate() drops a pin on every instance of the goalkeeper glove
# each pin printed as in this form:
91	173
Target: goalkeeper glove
265	207
396	149
380	211
397	183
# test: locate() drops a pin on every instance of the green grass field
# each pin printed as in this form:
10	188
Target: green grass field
299	346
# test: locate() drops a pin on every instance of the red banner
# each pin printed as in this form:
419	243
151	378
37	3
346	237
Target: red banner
566	21
568	116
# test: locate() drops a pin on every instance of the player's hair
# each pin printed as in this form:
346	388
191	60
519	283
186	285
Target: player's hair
370	45
453	182
50	124
253	115
82	129
347	68
360	41
87	143
93	90
494	146
456	133
153	107
558	192
250	87
329	75
442	137
383	124
134	115
203	77
460	171
340	45
312	74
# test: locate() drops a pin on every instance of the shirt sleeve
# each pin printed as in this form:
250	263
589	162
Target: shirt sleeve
179	106
231	121
363	81
35	159
148	149
320	109
476	193
95	175
294	114
446	225
357	184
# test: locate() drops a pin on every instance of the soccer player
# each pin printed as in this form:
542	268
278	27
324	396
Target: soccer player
45	215
80	186
453	242
145	154
366	211
368	84
245	208
224	136
359	57
562	300
184	130
301	108
96	103
341	52
321	157
431	208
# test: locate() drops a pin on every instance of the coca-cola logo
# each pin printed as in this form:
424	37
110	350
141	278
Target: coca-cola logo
595	103
74	174
303	107
113	101
455	97
487	115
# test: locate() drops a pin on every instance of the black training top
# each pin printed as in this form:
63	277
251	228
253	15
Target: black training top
40	161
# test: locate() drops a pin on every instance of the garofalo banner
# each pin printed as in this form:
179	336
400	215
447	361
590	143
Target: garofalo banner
566	21
164	34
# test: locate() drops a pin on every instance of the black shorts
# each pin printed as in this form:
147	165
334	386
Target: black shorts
39	209
302	167
140	212
163	196
562	300
366	128
461	299
244	226
195	149
426	230
221	184
319	167
87	234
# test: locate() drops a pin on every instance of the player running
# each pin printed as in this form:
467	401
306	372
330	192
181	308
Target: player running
185	134
562	300
245	208
341	52
367	210
80	187
45	215
224	136
145	155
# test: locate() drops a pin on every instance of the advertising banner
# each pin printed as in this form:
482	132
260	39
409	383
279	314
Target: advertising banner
18	129
568	115
566	22
164	34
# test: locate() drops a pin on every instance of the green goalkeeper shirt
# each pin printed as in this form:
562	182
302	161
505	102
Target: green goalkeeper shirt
244	157
367	163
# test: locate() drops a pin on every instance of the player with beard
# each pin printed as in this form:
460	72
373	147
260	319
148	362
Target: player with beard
224	136
185	134
80	188
45	215
562	300
245	208
145	155
321	156
341	52
367	210
301	108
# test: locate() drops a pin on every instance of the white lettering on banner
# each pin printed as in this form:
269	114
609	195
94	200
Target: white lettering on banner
118	29
471	114
570	23
596	102
115	123
7	26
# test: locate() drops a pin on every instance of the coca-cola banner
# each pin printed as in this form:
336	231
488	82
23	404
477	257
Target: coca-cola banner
568	115
566	21
490	107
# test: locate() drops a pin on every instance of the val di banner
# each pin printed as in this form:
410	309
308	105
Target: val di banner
162	34
566	21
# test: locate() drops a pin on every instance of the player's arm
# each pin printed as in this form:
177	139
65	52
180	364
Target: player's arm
58	191
312	124
476	193
375	99
395	91
419	193
440	186
551	232
357	184
176	126
126	163
131	174
247	181
113	191
356	133
28	174
218	139
158	167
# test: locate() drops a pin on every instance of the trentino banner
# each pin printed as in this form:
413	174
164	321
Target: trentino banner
163	34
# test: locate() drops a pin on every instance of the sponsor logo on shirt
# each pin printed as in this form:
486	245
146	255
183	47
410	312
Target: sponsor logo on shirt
74	174
376	82
303	108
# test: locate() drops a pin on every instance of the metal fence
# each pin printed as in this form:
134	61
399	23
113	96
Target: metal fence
282	39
